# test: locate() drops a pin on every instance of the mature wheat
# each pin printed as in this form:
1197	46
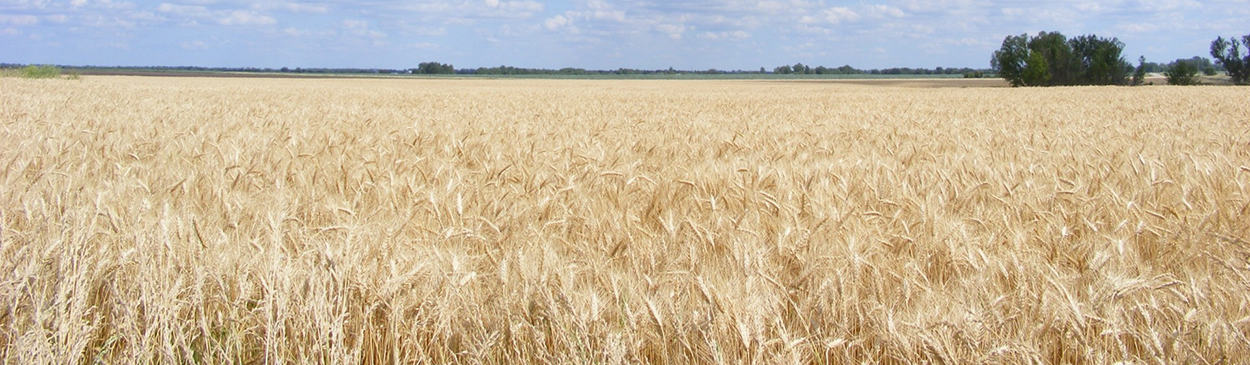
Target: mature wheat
173	220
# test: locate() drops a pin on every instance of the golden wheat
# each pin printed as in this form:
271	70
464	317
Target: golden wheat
176	220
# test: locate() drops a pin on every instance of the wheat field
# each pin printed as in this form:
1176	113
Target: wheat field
286	221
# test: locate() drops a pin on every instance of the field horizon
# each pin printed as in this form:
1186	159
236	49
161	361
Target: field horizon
520	221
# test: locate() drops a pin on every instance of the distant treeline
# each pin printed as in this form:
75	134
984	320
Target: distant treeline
1201	63
796	69
435	68
801	69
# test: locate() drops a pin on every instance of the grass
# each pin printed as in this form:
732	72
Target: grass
39	72
284	221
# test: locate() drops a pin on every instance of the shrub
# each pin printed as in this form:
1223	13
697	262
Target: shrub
1182	73
41	72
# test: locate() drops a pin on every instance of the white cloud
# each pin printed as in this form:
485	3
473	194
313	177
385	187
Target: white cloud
519	6
556	22
886	11
19	20
194	45
183	10
240	17
305	8
736	35
146	16
834	15
295	32
361	28
673	31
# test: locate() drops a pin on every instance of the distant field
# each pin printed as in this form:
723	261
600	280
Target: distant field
345	221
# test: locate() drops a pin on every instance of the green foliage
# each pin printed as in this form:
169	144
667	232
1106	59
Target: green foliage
41	72
1227	53
1053	50
1009	61
1037	70
1098	61
1050	59
434	68
1139	73
1182	72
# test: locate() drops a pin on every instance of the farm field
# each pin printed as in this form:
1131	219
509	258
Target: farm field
338	221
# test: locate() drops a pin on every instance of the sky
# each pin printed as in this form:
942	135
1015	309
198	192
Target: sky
591	34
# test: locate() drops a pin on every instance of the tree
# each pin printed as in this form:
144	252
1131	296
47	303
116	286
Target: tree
1182	72
1098	61
1227	53
1050	59
1139	73
1054	50
1037	71
431	68
1009	61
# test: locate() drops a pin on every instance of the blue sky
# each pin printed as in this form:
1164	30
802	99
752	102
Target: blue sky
593	34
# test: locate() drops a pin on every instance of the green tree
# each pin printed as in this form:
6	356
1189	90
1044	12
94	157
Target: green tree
1009	61
433	68
1182	72
1227	53
1051	59
1054	49
1037	71
1139	73
1099	61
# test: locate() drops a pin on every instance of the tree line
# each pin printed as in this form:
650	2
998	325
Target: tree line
434	68
801	69
1052	59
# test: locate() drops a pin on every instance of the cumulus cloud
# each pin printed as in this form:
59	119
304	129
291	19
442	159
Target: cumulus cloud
886	11
361	28
305	8
673	31
296	32
19	20
183	10
194	45
736	35
556	22
834	15
240	17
